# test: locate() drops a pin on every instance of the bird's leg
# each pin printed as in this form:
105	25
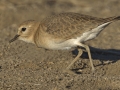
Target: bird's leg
89	55
76	58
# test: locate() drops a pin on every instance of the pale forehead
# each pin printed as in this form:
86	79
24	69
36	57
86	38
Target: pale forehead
27	23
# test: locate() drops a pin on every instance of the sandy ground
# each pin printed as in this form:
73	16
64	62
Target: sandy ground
25	67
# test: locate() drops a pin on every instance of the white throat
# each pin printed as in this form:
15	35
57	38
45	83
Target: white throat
28	40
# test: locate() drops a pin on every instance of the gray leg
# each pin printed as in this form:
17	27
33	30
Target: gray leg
77	57
89	55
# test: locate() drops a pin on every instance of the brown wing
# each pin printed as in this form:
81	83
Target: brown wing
70	25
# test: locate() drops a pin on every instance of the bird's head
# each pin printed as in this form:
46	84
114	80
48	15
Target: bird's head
26	31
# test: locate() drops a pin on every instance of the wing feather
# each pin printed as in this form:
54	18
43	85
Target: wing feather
70	25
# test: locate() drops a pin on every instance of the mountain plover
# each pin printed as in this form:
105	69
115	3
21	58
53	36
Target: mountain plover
63	31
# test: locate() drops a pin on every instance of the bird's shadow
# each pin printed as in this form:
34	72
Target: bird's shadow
111	55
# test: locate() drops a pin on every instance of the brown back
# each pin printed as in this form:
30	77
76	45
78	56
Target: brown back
70	25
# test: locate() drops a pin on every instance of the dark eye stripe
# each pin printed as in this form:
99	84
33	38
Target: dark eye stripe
23	29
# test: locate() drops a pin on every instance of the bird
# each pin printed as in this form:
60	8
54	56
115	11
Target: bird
64	31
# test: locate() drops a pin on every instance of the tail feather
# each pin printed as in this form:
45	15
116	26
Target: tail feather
115	18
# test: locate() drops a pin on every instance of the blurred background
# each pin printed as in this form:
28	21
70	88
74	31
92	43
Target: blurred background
13	11
25	67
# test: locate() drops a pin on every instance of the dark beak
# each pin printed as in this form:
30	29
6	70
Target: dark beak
16	37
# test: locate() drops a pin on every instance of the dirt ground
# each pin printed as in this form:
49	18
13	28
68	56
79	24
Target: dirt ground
25	67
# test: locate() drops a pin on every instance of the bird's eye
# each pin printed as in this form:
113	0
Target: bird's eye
23	29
